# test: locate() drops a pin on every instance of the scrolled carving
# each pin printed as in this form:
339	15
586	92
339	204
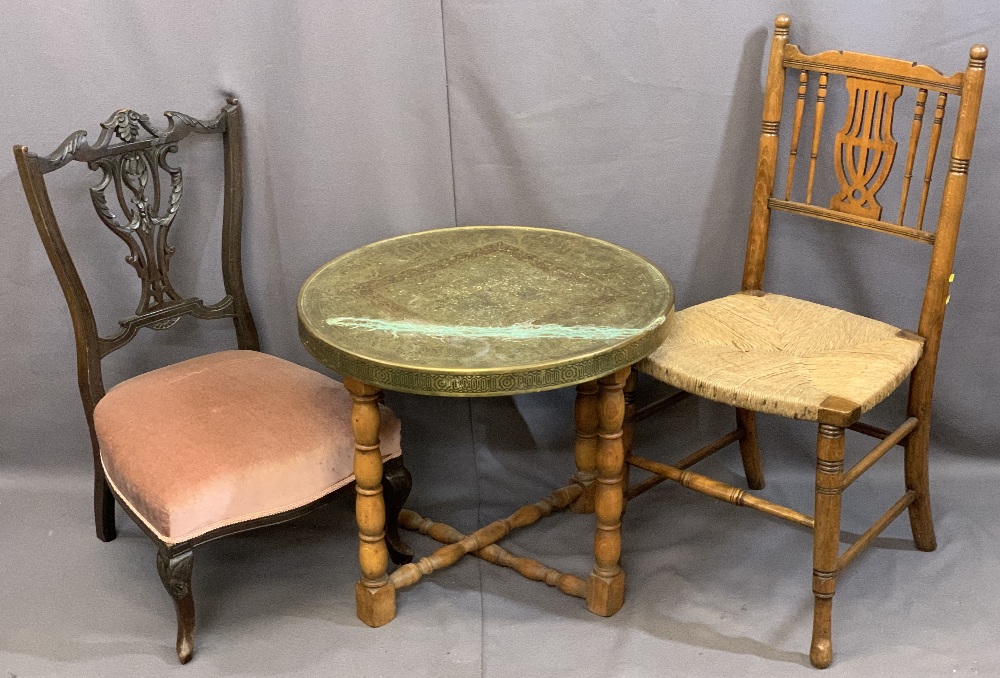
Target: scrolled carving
135	177
124	124
175	573
217	124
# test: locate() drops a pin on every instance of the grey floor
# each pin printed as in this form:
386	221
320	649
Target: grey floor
712	589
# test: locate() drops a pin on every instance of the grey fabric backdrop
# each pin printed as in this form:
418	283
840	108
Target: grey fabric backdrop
635	122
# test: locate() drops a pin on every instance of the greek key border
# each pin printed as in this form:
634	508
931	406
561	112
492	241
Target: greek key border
483	385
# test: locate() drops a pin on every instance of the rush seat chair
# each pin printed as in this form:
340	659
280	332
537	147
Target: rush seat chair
765	352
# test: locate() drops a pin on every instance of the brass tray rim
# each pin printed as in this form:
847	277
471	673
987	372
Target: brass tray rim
323	350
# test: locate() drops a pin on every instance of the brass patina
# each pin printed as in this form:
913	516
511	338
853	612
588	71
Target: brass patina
484	310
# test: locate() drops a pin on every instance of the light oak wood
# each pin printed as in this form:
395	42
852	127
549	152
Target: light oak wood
826	541
585	450
817	134
606	585
793	153
753	467
911	153
862	159
690	460
485	536
932	149
719	490
890	441
376	596
526	567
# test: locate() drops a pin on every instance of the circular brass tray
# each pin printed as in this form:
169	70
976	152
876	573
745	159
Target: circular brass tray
484	310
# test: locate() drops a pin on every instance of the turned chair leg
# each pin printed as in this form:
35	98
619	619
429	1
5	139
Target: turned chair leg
175	573
917	480
826	539
104	507
746	423
396	485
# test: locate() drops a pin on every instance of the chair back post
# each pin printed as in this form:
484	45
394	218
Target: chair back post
88	356
91	347
232	228
949	219
767	158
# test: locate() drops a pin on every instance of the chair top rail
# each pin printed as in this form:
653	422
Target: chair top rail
125	124
871	67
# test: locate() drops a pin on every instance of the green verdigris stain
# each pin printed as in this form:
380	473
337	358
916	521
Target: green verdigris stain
517	331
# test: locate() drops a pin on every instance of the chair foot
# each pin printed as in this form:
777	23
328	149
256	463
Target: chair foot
175	573
922	525
104	508
396	485
821	651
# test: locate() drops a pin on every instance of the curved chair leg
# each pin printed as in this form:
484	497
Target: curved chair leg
175	573
917	480
826	539
396	485
746	422
104	507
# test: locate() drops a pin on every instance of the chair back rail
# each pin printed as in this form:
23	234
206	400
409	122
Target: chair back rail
862	158
145	190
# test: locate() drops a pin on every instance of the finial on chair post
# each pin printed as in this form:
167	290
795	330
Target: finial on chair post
782	22
977	56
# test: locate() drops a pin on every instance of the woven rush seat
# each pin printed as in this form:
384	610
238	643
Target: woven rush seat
239	435
779	355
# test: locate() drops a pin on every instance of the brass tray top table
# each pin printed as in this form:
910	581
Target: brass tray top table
489	311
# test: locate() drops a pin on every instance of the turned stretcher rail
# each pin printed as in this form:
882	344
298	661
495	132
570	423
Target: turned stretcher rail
526	567
484	536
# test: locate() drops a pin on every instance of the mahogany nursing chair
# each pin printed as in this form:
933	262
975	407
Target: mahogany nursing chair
218	444
764	352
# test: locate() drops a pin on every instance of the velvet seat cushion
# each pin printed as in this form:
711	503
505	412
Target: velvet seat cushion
225	438
781	355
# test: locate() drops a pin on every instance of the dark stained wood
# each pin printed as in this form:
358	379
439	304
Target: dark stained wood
175	573
128	137
396	486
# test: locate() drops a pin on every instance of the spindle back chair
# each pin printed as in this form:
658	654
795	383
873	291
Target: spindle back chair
763	352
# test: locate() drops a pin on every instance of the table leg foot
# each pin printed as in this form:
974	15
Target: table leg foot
376	607
605	595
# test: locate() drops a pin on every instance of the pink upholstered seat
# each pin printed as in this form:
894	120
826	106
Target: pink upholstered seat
227	437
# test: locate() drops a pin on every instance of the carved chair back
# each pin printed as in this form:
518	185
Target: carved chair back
863	157
137	197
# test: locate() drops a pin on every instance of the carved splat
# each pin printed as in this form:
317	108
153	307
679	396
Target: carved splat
864	149
135	177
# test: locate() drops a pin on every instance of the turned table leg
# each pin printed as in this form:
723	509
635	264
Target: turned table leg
606	585
376	597
585	450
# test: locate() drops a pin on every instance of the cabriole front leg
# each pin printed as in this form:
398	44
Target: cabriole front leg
606	585
175	573
376	597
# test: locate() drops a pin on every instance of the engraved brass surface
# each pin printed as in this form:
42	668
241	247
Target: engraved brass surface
484	310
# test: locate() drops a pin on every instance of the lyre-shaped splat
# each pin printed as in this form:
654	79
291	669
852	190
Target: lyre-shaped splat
864	149
135	178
